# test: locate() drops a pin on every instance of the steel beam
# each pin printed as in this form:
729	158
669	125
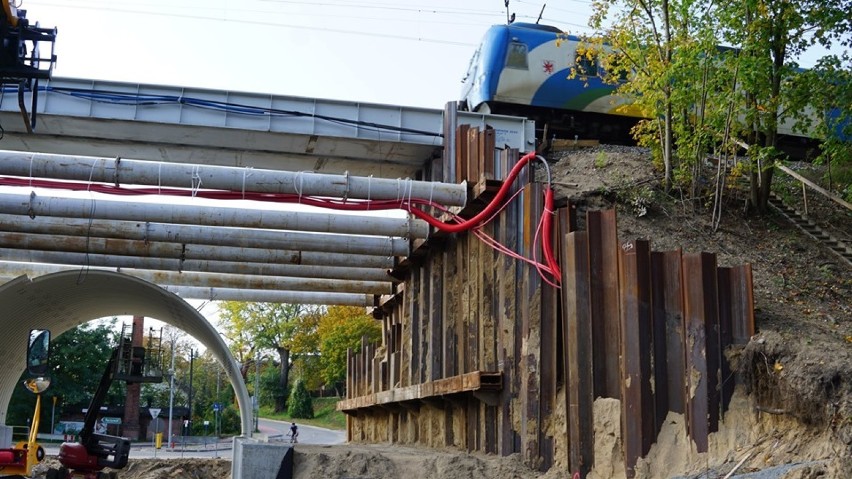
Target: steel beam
209	235
181	175
34	205
200	265
80	244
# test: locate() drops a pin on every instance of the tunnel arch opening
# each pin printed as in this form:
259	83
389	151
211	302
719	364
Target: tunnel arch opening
64	300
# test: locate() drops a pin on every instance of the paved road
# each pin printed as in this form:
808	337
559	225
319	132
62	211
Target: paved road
275	430
278	430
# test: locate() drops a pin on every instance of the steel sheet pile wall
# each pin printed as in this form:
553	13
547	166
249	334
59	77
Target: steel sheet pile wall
480	353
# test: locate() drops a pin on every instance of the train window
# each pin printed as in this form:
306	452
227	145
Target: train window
516	57
587	66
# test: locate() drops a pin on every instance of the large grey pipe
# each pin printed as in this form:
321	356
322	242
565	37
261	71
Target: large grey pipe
124	171
35	205
209	235
217	280
181	251
208	266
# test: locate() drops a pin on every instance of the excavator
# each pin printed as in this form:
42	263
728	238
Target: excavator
21	62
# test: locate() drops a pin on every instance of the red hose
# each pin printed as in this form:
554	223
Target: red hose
495	203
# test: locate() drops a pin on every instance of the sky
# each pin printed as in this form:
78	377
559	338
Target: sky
399	52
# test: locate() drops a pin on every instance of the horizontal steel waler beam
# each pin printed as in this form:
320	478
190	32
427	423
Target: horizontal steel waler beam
208	235
124	171
211	280
81	244
208	266
35	205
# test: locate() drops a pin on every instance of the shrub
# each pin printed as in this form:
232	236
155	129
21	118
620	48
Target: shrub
300	404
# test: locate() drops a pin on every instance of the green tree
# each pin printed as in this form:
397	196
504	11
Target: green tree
699	97
340	329
300	404
78	358
285	329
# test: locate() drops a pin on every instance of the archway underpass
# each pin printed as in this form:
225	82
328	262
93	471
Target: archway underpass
64	300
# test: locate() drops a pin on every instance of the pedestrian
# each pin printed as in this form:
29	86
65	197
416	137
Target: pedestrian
294	433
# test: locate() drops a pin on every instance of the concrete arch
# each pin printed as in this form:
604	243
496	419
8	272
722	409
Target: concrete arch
61	301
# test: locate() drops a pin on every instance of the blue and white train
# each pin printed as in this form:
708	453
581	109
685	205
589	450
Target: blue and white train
525	69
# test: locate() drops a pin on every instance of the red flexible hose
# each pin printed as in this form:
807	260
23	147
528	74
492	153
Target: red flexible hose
495	203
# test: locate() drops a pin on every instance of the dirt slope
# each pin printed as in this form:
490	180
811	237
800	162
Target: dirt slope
797	371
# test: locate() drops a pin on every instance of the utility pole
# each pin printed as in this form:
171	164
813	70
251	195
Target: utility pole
191	358
171	391
218	399
256	389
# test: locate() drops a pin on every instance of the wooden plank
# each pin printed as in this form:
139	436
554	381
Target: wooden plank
436	316
449	311
569	144
474	281
579	378
463	319
603	260
413	338
488	293
349	373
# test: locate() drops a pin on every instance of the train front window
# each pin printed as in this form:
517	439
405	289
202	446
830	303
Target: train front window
516	57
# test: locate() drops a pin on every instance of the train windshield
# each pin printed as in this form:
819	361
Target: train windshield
516	56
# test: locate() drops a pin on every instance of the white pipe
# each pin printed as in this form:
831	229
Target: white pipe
124	171
261	296
210	235
171	264
212	280
80	244
34	205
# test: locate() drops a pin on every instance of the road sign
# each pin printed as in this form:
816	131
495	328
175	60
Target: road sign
155	411
217	407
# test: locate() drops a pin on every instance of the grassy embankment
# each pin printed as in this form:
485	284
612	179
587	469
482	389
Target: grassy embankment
325	414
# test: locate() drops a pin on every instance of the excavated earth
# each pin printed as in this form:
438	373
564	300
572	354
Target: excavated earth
791	416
